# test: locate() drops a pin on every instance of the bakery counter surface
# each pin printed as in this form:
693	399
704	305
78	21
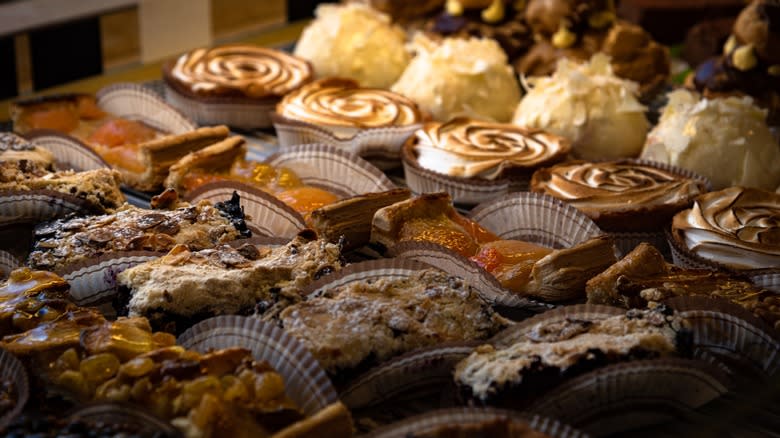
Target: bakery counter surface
280	36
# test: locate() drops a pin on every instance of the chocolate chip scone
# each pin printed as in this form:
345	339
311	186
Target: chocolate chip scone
364	322
64	242
555	349
184	287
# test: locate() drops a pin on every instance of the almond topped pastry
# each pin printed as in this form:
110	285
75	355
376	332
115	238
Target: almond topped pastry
25	167
65	241
620	195
141	152
738	228
343	107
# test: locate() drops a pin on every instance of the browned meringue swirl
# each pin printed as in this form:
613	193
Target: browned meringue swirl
253	71
467	147
738	227
615	185
341	102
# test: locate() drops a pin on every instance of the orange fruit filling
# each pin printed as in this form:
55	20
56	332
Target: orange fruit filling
510	261
306	199
118	132
60	118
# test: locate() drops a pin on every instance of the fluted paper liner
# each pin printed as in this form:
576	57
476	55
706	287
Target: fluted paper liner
13	370
683	257
477	277
236	112
69	153
630	395
725	331
33	206
305	381
117	413
536	218
93	281
467	191
380	146
332	169
8	262
419	372
266	215
471	418
136	102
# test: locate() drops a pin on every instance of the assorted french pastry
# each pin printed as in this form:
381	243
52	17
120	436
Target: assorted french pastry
573	138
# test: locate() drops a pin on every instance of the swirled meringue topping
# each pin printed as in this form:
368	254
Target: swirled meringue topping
737	227
255	72
469	148
615	186
342	102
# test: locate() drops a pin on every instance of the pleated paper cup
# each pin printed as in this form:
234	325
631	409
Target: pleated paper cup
631	395
536	218
236	112
12	371
69	153
333	169
131	419
136	102
476	422
93	281
380	146
266	215
724	332
305	380
464	191
33	206
425	374
8	262
508	303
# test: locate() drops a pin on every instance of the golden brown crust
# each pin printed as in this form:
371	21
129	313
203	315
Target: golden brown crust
217	157
159	154
351	217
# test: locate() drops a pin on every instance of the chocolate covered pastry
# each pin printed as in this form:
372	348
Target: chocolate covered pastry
750	63
578	29
501	20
